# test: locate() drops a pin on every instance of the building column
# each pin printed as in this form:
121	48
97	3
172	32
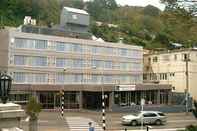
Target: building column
54	100
158	97
36	95
111	100
169	97
80	100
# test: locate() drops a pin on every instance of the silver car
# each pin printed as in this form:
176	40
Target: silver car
148	117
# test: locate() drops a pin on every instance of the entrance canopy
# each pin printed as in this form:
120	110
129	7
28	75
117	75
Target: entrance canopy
143	87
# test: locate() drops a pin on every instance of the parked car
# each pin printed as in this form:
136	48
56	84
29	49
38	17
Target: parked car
148	117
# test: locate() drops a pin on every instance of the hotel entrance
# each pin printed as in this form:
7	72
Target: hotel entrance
93	100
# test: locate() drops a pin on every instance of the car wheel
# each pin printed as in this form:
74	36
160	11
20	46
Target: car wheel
134	123
158	122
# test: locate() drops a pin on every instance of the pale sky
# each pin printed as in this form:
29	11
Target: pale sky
140	3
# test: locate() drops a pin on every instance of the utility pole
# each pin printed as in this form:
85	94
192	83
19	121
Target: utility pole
187	81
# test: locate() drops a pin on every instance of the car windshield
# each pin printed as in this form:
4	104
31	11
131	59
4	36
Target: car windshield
161	114
136	113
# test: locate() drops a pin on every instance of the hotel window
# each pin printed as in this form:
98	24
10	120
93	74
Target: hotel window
24	43
78	63
108	64
97	63
124	66
61	62
96	78
107	79
30	43
109	50
40	44
135	53
30	78
78	78
69	79
123	52
41	78
19	43
38	61
60	46
97	50
77	48
19	77
19	60
137	66
125	79
138	78
60	77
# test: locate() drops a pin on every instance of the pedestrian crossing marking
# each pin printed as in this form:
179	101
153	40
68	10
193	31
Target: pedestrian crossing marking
81	124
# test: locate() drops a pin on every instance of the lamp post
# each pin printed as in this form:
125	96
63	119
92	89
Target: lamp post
186	59
5	86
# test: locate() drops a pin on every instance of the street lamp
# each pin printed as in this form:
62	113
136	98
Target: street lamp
5	86
186	59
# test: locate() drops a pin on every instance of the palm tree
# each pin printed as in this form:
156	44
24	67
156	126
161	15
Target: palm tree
32	110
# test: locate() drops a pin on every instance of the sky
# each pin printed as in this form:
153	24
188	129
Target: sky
140	3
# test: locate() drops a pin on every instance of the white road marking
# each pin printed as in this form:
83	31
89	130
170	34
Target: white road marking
81	124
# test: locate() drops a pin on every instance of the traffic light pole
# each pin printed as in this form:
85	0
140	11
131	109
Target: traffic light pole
103	106
62	103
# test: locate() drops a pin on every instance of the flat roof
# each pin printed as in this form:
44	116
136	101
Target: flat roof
75	40
74	10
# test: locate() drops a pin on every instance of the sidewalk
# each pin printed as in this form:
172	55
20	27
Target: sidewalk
173	129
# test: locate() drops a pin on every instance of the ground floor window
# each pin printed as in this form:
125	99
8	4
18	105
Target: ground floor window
51	100
128	98
19	98
72	100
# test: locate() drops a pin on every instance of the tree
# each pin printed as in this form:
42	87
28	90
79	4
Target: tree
102	10
32	110
151	10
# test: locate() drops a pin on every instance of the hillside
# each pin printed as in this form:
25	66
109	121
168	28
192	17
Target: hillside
146	26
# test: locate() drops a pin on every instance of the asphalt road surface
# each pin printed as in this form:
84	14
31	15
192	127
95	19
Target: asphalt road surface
78	121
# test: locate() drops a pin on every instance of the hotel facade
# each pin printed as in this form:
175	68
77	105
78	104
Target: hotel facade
44	65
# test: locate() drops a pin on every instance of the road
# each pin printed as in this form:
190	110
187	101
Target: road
78	121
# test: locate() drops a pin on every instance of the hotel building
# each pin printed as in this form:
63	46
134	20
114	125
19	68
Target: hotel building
43	64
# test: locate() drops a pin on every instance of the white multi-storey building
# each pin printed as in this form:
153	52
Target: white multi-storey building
171	67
